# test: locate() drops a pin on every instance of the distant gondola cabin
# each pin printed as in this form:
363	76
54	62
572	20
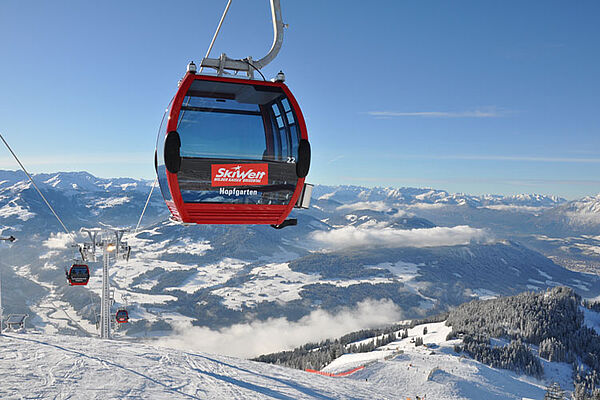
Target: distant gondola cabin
122	316
78	274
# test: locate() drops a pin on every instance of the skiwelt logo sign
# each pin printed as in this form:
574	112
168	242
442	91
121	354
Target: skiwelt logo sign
239	174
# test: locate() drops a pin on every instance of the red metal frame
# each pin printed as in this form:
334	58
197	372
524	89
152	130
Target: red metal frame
228	213
77	283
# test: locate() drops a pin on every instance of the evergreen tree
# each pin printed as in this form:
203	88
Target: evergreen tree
554	392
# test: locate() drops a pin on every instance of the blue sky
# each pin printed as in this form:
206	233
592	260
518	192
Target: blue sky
469	96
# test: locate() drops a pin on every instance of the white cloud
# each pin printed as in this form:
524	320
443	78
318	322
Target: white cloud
58	241
516	208
403	214
365	205
510	158
278	334
351	236
488	113
334	159
427	206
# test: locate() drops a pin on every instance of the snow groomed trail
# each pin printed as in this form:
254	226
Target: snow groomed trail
67	367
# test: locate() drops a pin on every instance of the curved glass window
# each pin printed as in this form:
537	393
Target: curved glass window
231	138
161	170
246	127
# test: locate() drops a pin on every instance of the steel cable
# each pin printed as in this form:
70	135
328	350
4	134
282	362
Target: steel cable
216	33
145	206
36	188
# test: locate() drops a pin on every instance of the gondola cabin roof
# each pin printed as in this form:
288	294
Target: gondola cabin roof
232	151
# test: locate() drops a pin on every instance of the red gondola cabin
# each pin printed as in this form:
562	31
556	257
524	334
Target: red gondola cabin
232	151
122	316
79	274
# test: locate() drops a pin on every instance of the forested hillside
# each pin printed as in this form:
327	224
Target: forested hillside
552	321
515	333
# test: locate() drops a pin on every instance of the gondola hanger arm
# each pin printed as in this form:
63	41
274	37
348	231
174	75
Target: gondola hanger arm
247	65
278	27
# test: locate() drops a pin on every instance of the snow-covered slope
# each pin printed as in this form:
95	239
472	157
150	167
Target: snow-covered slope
34	365
47	366
437	372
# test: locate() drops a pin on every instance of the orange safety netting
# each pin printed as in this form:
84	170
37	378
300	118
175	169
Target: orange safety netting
345	373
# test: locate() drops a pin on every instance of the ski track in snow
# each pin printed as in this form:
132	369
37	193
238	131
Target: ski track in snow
48	366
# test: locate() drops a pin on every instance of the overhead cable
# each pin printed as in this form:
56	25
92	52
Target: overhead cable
36	188
216	32
145	205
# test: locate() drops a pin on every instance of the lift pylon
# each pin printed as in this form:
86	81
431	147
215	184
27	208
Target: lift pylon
9	239
113	248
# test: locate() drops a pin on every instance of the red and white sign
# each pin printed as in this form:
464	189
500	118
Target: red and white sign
239	174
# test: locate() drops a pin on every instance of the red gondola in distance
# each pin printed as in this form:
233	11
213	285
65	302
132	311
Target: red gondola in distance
78	275
232	151
122	316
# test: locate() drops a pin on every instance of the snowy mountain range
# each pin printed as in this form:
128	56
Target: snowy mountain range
346	194
422	249
359	258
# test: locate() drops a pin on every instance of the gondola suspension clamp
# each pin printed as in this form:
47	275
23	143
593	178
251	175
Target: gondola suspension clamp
248	65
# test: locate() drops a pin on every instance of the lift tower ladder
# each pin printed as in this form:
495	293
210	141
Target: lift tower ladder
105	304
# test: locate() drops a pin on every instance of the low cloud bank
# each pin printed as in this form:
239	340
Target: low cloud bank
365	205
277	334
57	241
516	208
351	236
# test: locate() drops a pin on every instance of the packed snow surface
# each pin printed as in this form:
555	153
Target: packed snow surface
437	372
47	366
34	365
